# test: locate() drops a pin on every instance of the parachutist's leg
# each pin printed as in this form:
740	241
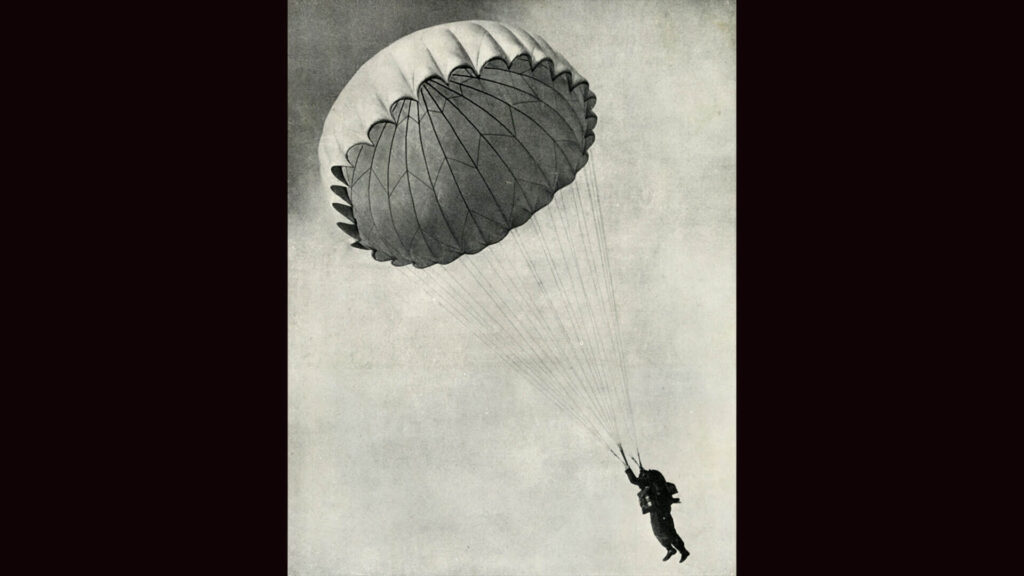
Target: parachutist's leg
663	532
681	546
669	526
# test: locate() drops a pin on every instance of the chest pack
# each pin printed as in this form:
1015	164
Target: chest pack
654	496
646	499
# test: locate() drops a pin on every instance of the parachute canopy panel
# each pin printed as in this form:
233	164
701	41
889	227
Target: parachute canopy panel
452	136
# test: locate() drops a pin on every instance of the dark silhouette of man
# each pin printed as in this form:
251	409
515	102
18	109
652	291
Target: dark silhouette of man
656	499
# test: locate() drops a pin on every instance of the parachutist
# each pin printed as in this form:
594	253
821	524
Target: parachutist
656	499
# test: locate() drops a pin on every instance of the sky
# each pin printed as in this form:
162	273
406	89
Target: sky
412	448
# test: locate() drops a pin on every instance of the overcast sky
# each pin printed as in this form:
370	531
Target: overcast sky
412	448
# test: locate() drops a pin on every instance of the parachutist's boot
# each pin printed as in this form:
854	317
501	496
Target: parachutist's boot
671	551
684	554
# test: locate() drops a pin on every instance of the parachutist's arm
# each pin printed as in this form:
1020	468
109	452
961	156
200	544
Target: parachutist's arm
632	477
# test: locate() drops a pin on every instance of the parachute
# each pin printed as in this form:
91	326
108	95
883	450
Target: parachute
448	150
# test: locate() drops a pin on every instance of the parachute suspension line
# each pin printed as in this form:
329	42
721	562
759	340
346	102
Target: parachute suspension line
564	280
583	335
601	261
570	273
595	198
495	296
533	305
527	303
587	224
574	281
600	271
602	264
484	328
519	368
526	348
602	336
557	312
588	321
570	352
451	304
524	304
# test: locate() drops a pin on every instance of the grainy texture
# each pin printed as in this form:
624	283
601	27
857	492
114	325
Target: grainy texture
412	448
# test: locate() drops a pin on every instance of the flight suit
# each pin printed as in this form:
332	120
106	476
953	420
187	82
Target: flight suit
655	500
